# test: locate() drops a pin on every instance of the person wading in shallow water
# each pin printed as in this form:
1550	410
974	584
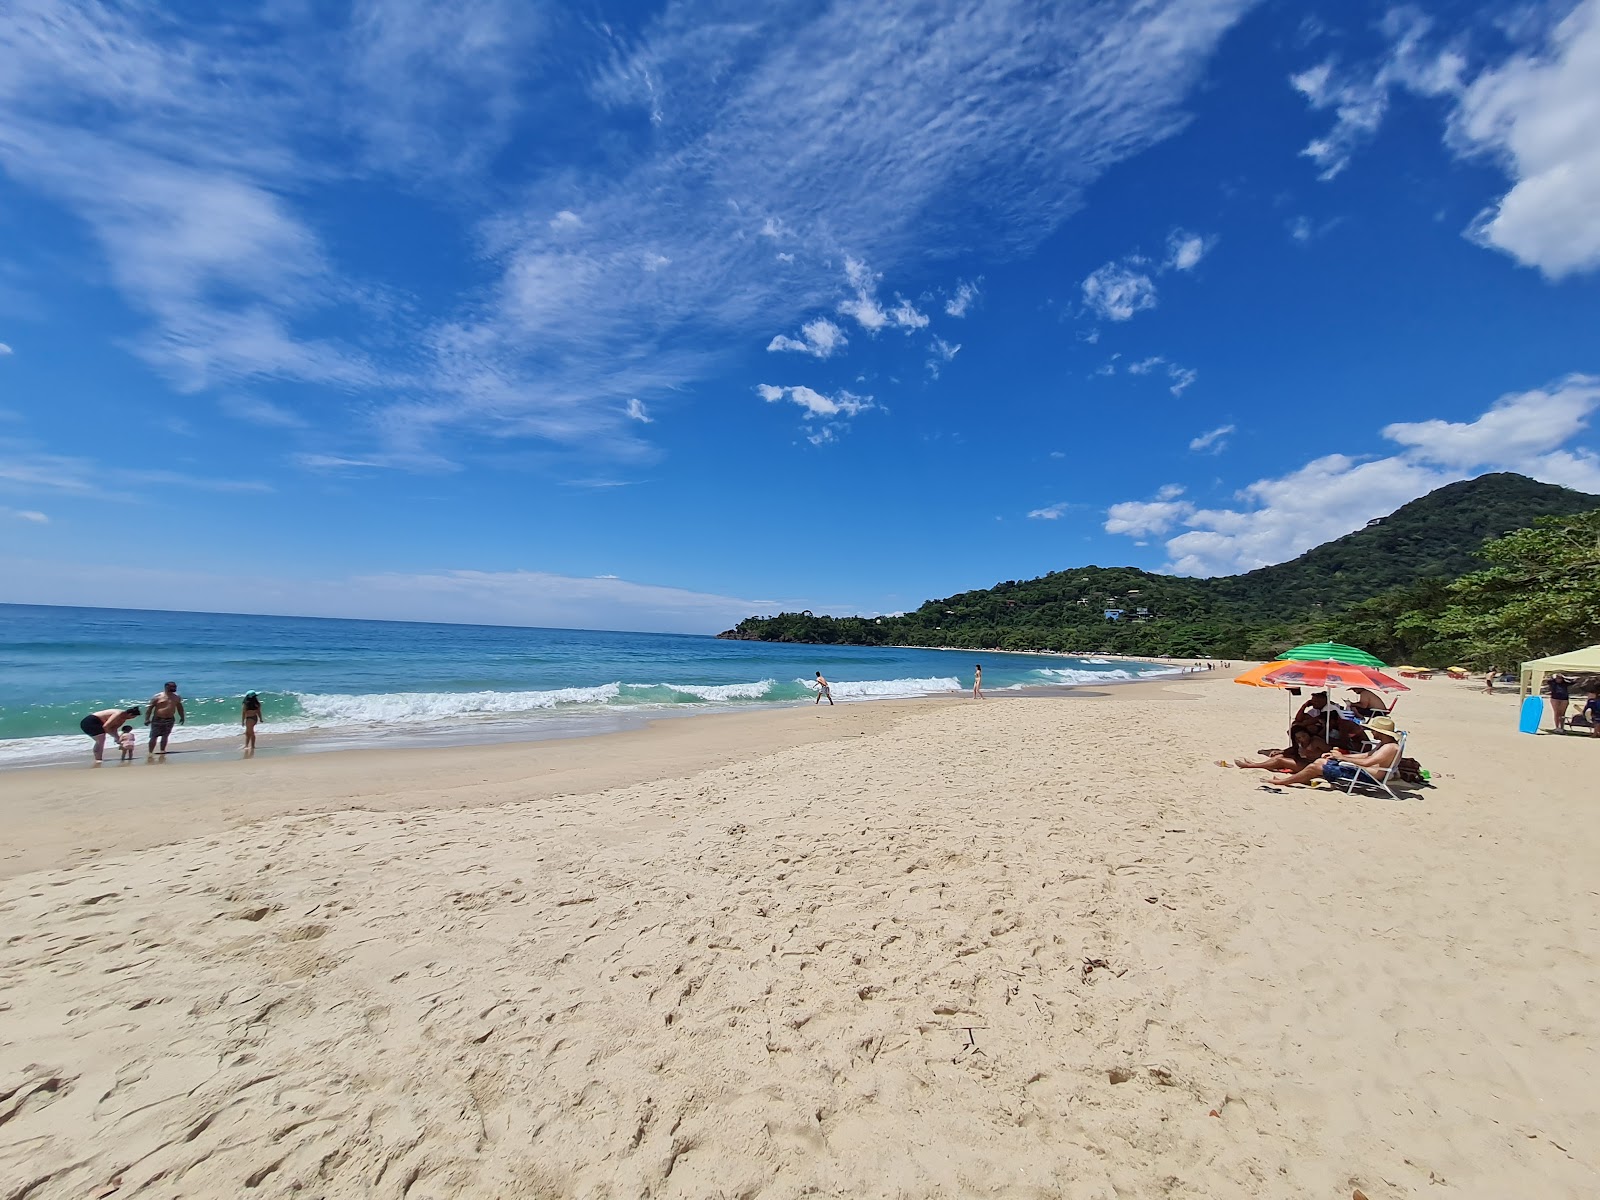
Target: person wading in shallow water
822	689
163	706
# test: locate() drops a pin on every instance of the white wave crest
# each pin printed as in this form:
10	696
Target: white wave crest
888	689
724	691
387	707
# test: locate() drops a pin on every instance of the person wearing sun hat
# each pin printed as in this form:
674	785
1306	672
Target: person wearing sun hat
1338	767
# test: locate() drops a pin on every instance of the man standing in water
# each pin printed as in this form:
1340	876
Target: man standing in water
822	689
163	706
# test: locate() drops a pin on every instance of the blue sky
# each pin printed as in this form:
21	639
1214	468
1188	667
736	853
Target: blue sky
654	316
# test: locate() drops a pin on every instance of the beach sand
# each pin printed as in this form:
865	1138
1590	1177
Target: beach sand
1021	947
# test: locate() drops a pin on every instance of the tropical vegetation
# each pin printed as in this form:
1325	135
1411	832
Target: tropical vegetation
1484	573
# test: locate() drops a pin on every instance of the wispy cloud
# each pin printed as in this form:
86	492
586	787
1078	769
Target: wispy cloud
29	515
1185	249
5	350
1051	512
780	145
257	410
963	298
32	473
636	411
1214	441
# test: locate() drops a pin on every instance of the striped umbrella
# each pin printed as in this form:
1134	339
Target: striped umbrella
1335	652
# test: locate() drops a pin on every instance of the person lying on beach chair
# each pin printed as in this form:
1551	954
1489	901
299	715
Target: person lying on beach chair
1305	748
1372	769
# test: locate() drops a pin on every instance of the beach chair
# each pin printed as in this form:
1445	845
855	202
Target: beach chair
1379	780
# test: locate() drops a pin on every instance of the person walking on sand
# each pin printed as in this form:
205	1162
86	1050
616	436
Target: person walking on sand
823	690
250	717
977	681
98	725
163	705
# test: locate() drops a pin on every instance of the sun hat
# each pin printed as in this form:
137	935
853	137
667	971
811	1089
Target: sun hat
1383	725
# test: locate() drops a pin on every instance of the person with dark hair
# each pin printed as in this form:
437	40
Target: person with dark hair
127	739
98	725
1560	695
823	690
1306	749
250	717
977	681
164	706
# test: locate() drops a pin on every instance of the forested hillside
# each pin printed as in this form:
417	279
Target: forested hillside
1406	559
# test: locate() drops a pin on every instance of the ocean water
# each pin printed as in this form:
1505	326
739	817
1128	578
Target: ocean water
338	683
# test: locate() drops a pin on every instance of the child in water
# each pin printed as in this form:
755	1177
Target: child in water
126	738
250	717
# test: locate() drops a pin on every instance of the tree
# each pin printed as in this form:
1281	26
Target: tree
1540	595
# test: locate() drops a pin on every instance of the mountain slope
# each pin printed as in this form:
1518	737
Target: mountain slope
1435	537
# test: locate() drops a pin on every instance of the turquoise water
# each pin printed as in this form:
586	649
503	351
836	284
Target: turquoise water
338	683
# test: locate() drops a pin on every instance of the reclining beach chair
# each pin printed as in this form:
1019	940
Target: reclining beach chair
1379	780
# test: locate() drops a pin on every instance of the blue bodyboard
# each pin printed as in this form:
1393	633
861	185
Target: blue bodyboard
1532	711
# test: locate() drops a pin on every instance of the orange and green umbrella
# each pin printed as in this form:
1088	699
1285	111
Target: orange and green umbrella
1320	676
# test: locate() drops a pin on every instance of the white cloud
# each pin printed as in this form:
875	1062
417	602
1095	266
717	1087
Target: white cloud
5	350
1185	249
820	338
959	303
1139	517
1215	440
1169	491
1360	98
945	350
1145	366
906	316
1533	114
30	515
1182	378
566	219
1537	114
228	138
636	411
1281	517
815	404
1050	512
1117	291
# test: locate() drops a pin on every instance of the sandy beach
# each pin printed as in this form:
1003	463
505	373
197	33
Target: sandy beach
1022	947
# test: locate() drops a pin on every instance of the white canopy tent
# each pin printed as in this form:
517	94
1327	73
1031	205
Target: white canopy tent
1574	662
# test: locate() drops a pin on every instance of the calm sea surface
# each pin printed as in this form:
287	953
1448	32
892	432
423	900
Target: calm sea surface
334	683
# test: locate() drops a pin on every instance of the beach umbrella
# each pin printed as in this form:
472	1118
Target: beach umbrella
1253	677
1335	652
1319	676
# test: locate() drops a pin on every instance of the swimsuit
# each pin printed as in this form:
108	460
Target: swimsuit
161	728
93	726
1342	772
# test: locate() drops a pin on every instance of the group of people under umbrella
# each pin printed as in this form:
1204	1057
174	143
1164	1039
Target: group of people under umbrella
1356	744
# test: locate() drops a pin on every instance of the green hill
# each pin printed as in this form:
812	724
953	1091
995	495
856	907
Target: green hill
1424	543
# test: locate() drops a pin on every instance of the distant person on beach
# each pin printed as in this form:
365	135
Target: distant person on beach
1560	694
98	725
1338	767
250	717
822	689
977	681
127	739
164	705
1488	683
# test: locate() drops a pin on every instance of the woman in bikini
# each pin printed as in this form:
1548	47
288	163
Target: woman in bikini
250	717
1307	749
